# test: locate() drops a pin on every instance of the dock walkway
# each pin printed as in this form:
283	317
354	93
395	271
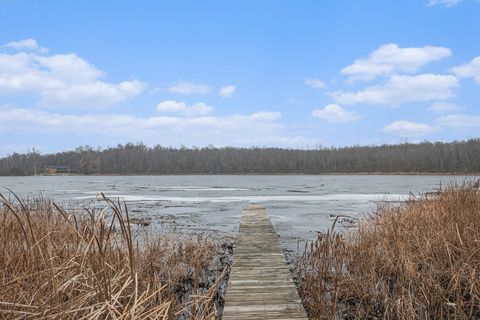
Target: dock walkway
260	284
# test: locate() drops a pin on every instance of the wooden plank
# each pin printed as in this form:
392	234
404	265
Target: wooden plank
260	285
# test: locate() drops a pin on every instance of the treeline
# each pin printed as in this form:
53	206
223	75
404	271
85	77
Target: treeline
425	157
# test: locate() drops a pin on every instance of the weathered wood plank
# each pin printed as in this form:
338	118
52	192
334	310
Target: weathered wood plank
260	284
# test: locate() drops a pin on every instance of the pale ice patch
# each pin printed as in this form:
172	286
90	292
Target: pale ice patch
264	198
200	188
101	191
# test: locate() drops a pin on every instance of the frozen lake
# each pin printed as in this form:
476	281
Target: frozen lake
299	206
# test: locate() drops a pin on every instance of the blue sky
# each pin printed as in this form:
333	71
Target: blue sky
237	73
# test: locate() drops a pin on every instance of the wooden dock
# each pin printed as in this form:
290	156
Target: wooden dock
260	284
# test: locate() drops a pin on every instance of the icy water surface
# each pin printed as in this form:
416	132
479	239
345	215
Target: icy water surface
300	206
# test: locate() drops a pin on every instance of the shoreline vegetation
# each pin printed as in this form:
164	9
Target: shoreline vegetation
90	264
418	259
457	157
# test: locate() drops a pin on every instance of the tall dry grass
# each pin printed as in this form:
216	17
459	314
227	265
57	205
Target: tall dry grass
419	260
56	264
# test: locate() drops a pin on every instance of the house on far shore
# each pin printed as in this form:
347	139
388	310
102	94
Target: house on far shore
57	169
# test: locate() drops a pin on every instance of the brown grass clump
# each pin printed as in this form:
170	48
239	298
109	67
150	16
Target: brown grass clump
56	264
419	260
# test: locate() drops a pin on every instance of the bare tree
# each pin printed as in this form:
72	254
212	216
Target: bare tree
137	158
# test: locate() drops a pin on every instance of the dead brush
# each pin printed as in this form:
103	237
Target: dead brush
418	260
56	264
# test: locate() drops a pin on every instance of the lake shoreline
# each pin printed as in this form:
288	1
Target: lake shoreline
472	174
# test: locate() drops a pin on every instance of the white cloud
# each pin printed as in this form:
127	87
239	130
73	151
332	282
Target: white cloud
443	106
446	3
406	128
189	88
266	116
390	58
459	121
68	67
227	91
62	80
336	114
469	70
315	83
259	129
400	89
183	108
92	95
25	44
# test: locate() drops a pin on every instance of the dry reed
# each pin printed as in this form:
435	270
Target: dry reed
418	260
56	264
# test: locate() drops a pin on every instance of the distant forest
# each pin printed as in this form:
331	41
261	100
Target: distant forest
425	157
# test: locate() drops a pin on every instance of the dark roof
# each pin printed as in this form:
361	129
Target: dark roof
58	167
